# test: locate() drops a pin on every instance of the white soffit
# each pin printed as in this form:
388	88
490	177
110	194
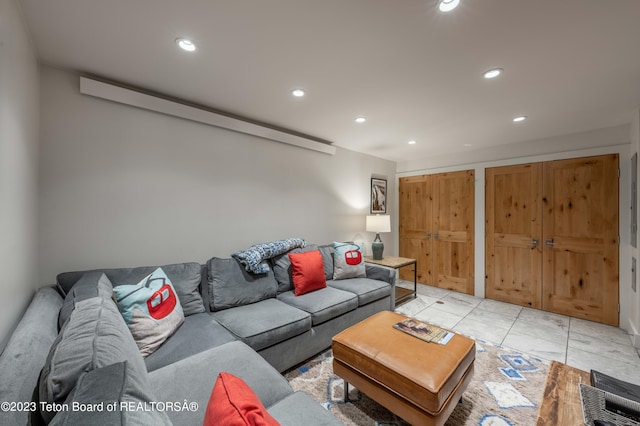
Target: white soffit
142	100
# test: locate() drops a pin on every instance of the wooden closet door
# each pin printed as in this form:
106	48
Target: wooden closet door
580	233
415	226
453	208
513	265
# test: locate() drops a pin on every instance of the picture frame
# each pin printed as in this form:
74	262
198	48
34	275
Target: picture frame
378	196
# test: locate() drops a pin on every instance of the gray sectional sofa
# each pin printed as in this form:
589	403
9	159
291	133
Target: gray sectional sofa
72	345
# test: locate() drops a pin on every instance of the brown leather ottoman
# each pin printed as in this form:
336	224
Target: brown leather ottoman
419	381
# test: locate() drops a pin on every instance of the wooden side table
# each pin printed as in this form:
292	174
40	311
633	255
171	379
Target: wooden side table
561	400
402	294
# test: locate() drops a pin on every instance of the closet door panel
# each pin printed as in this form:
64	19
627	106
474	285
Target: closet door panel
415	226
454	230
580	270
513	266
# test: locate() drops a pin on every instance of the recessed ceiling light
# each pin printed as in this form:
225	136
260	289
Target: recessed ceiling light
360	120
447	5
298	93
186	44
412	142
467	145
493	73
519	119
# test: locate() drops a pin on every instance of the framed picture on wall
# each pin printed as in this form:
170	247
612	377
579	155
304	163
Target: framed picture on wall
378	196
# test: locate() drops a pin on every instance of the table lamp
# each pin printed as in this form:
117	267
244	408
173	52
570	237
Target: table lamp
378	223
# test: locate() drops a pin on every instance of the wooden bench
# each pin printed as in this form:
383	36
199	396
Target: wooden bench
561	400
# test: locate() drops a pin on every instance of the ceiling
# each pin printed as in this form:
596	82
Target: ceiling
412	71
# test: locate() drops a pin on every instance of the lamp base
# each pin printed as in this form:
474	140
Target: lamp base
377	248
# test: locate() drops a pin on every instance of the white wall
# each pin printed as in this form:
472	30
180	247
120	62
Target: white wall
598	142
121	186
18	166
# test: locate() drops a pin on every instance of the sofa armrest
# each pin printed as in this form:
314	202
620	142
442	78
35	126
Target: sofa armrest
377	272
388	275
27	351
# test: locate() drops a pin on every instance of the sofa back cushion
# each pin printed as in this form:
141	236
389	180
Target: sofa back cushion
185	278
91	284
117	386
281	266
230	285
327	259
94	336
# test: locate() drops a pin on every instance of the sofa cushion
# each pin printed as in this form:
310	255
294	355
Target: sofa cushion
91	284
327	259
307	272
193	378
264	323
185	278
94	336
282	267
114	384
323	304
348	261
233	403
299	408
151	310
366	289
230	285
198	333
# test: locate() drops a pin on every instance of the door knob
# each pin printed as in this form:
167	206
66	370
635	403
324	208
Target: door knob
534	243
436	235
549	243
428	235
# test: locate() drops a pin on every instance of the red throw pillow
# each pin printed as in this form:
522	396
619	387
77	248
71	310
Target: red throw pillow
233	403
307	272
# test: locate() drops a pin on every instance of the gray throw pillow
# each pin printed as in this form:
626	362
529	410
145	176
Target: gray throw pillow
94	336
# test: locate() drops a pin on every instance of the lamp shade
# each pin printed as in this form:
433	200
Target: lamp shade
378	223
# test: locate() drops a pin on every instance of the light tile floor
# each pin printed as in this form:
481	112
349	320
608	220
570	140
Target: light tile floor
583	344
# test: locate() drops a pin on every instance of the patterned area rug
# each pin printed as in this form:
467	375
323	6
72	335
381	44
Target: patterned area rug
506	389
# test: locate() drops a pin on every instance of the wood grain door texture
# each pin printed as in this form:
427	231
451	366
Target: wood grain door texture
453	224
580	233
513	270
415	226
437	229
552	236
